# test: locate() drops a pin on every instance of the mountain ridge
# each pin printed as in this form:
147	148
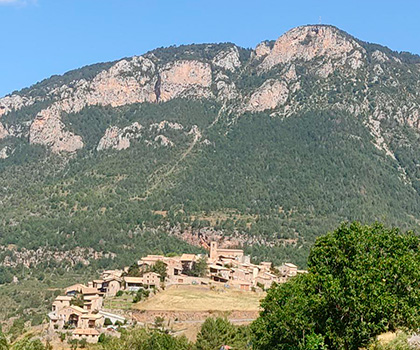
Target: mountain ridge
138	92
264	147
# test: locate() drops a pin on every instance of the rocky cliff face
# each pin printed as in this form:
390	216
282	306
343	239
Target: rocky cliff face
185	78
311	42
317	52
119	139
271	94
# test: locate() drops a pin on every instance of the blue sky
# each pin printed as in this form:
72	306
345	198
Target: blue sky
40	38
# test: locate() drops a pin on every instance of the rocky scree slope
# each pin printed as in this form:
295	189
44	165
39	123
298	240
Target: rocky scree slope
288	138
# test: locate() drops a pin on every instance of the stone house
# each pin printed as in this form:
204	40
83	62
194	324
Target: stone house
151	280
242	274
219	273
61	302
242	285
108	273
173	265
92	302
110	285
70	315
148	280
266	279
265	266
288	270
91	321
133	284
90	291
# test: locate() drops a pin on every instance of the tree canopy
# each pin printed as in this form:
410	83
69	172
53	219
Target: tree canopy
362	281
160	268
216	332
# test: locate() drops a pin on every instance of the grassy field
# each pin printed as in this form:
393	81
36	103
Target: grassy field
201	298
124	302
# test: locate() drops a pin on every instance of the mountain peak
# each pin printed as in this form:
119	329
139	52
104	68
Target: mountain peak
309	42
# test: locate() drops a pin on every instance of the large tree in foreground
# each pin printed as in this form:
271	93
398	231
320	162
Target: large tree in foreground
362	281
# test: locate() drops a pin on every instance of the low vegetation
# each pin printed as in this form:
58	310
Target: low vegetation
201	298
362	283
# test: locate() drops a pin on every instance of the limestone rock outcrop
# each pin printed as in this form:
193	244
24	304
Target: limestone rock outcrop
4	152
126	82
262	49
3	132
15	102
185	78
115	87
164	141
308	42
47	129
119	139
164	124
271	94
228	59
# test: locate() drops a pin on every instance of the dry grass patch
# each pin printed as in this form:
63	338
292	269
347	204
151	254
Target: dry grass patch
201	298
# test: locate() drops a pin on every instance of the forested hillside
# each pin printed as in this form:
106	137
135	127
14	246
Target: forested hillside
264	148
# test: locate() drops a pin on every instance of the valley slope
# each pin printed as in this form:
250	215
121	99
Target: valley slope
266	148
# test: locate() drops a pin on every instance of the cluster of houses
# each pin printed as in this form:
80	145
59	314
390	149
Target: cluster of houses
81	308
233	268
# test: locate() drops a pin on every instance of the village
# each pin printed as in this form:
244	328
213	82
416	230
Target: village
81	310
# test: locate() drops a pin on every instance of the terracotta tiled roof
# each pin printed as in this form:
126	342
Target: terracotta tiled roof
78	309
75	287
187	257
89	290
133	279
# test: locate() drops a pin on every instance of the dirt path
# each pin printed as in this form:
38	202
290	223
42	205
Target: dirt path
159	179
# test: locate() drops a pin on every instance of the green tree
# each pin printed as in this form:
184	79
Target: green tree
28	344
160	268
5	275
62	336
140	339
362	281
134	271
83	343
216	332
200	267
141	294
78	300
17	328
3	342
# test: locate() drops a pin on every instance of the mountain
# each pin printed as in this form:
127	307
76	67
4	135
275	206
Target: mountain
264	148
